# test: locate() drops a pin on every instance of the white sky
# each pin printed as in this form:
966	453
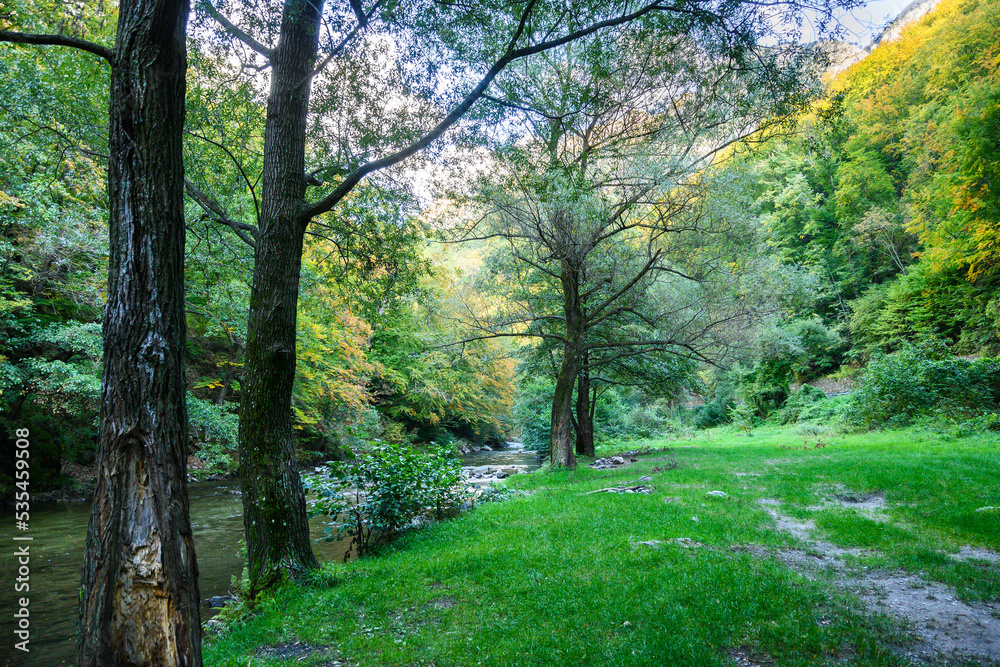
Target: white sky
861	25
865	23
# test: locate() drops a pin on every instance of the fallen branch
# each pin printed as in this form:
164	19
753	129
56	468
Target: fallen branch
638	488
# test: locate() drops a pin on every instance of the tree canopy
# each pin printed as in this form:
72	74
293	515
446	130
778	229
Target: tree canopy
641	200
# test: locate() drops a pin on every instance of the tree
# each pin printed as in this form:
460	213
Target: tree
360	118
889	197
139	603
656	373
617	240
53	256
444	391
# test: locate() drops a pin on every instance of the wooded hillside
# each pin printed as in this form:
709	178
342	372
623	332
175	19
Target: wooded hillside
877	218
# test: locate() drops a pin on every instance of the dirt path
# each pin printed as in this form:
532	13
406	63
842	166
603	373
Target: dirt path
945	625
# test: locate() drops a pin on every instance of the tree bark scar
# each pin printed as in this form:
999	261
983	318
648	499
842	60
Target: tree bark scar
140	588
280	350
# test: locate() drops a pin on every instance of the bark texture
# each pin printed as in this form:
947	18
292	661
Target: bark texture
561	442
139	603
274	507
584	412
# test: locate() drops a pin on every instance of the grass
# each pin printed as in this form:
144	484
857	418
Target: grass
557	577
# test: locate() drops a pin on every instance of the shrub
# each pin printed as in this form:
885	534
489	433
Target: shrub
827	411
495	493
764	387
798	402
743	417
811	430
647	419
387	485
823	349
923	381
213	432
532	413
716	411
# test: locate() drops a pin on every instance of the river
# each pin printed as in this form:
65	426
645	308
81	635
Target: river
59	532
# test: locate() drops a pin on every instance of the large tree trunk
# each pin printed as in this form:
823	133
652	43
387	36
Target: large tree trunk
561	443
274	507
584	413
139	603
561	439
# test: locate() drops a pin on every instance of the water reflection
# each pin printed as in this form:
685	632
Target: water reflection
59	532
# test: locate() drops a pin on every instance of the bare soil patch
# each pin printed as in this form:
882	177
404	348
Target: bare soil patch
871	505
318	656
747	657
944	625
967	553
443	603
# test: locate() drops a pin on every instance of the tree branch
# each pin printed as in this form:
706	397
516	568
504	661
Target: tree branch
215	212
595	314
491	336
239	167
235	30
512	54
647	347
363	19
519	107
58	40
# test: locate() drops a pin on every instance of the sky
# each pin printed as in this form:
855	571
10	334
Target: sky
865	23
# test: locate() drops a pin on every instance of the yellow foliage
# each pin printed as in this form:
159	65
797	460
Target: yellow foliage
931	100
8	200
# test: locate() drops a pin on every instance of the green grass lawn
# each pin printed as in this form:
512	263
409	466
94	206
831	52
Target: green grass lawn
556	577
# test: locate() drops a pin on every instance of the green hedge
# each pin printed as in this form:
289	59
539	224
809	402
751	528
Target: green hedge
923	381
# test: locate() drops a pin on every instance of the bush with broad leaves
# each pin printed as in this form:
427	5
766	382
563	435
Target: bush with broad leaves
382	490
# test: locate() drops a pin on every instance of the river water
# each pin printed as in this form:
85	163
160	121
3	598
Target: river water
59	532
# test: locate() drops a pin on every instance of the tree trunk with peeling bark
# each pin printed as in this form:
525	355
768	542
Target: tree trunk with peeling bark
139	603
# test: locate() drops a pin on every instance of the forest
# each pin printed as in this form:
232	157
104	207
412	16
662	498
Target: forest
868	217
573	225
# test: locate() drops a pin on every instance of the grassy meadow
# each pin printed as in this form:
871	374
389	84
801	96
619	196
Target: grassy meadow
556	576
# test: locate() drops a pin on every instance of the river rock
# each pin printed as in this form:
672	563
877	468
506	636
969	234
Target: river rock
717	494
218	601
608	462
